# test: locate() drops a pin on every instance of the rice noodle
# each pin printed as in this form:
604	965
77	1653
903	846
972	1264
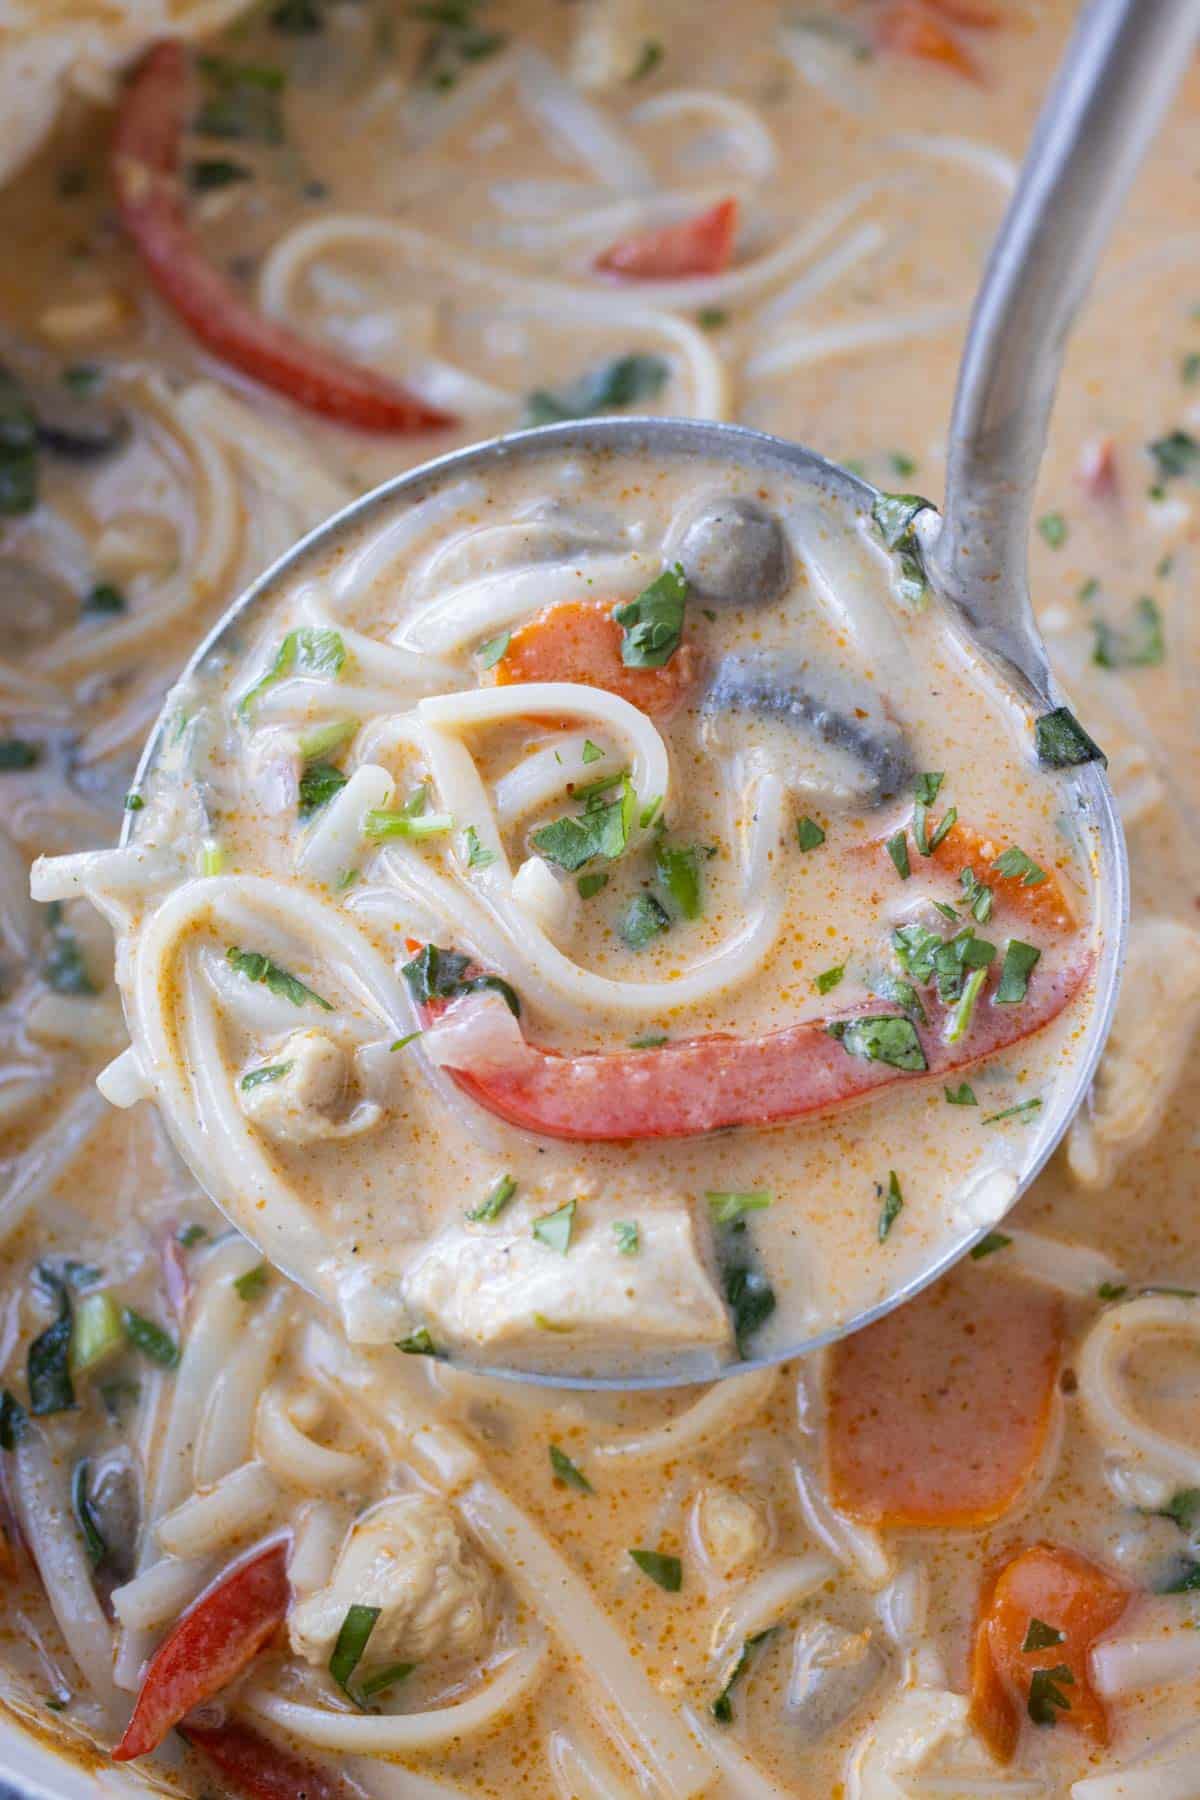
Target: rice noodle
1121	1666
270	454
728	1406
42	1166
295	1458
856	1547
805	347
767	1599
207	558
512	1682
1170	1772
542	775
854	249
479	609
224	1439
576	125
554	300
579	1773
334	844
741	121
238	1503
967	153
1073	1269
1159	1462
43	1509
377	558
160	1592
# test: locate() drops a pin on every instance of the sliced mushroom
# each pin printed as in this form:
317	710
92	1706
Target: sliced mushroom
34	604
823	732
79	422
733	552
833	1671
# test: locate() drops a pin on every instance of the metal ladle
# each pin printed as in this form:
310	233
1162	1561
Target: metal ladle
1119	74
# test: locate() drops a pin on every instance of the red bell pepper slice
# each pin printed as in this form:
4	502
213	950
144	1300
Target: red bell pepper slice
251	1764
702	245
712	1083
213	1641
145	165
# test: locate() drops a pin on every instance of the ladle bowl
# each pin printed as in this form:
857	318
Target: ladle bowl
1111	91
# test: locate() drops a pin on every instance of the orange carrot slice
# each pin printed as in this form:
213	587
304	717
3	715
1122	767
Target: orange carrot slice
1038	1620
912	28
939	1412
699	246
1045	904
579	640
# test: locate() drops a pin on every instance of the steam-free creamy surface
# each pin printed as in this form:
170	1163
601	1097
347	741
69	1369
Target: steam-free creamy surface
435	213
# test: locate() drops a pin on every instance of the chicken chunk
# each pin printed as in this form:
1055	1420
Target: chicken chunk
731	1531
493	1289
408	1557
1158	1011
304	1093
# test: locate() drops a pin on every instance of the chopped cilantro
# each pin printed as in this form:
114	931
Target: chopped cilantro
988	1246
1062	743
1024	1110
891	1205
255	966
253	1283
1045	1693
566	1471
1013	864
263	1076
629	1238
1019	962
644	919
881	1037
1140	645
809	834
318	785
309	650
495	1201
489	654
554	1228
963	1095
639	376
828	979
667	1571
897	849
652	623
1052	529
726	1207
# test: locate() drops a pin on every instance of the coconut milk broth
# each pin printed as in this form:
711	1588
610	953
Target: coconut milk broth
855	387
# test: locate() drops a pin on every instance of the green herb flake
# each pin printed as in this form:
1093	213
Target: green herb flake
711	318
621	382
977	897
809	835
591	752
264	1076
881	1037
1045	1693
891	1205
319	783
1052	529
47	1363
104	599
963	1095
727	1207
1187	1581
18	449
310	650
678	869
381	823
191	1235
18	753
437	974
493	650
649	1040
478	854
1024	1110
1062	743
828	979
209	174
1183	1509
554	1228
652	623
494	1203
13	1421
589	885
85	1514
1175	454
628	1236
644	919
1112	1290
897	849
402	1043
1140	645
352	1638
988	1246
418	1343
153	1342
1019	962
253	1284
722	1707
243	102
649	57
602	829
667	1571
1041	1637
964	1010
255	966
563	1469
895	517
1013	864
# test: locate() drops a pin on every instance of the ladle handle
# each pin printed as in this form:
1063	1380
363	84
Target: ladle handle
1115	83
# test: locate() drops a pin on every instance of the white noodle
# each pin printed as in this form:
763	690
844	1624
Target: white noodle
1121	1666
316	1539
160	1592
268	452
576	124
378	557
85	1021
742	1779
769	1598
19	924
602	224
295	1458
856	1547
123	1082
478	609
227	1429
207	558
825	63
966	153
239	1503
1170	1772
740	121
334	844
854	249
1156	1459
90	874
39	1170
44	1512
558	301
1074	1269
579	1773
804	347
512	1683
728	1406
544	774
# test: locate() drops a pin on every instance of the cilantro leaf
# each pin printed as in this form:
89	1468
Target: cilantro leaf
255	966
881	1037
652	623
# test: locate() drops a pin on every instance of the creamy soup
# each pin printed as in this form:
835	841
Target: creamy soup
260	1538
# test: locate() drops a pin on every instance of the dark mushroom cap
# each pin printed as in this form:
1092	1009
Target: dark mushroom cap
734	553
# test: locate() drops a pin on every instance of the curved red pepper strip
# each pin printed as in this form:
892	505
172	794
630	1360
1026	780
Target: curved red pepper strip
251	1764
145	165
699	246
712	1083
213	1641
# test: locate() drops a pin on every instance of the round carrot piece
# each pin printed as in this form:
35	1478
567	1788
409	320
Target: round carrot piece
579	640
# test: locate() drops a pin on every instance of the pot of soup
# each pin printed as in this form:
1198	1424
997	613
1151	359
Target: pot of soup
593	914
